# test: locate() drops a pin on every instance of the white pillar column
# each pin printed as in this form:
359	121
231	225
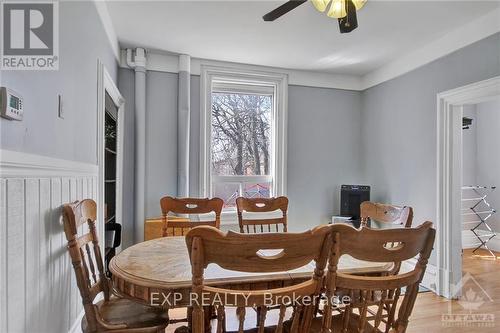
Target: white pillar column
183	125
139	66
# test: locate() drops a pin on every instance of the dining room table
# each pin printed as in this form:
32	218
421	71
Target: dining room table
158	273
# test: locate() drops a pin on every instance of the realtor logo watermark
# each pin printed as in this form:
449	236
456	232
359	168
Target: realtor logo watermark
30	35
175	299
471	297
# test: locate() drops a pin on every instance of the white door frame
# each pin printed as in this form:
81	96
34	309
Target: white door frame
449	177
106	84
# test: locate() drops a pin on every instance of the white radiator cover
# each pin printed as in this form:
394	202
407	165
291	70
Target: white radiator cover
38	291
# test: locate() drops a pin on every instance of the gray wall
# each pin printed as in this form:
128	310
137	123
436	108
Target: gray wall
82	41
161	140
469	164
324	151
399	125
469	148
488	154
318	119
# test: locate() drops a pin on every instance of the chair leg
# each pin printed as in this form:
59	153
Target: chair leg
198	322
190	317
208	310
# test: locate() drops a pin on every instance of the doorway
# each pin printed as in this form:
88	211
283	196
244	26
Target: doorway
111	106
450	107
480	177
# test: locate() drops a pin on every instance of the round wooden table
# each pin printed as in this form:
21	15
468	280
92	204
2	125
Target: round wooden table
158	273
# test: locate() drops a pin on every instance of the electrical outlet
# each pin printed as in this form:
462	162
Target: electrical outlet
60	111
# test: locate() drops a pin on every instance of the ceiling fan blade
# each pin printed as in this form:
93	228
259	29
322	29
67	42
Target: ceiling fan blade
282	10
350	21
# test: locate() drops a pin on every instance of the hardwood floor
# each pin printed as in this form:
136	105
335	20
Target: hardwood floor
429	308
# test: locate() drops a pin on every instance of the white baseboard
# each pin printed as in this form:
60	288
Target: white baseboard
469	240
77	324
429	280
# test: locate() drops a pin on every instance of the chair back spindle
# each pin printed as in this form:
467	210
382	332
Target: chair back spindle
262	205
376	300
388	215
257	253
86	256
188	206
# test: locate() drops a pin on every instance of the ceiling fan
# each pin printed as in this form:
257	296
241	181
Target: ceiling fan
343	10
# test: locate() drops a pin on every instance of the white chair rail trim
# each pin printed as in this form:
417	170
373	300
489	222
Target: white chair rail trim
18	164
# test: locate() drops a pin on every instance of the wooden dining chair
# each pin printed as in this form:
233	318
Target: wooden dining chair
379	303
252	253
262	205
113	313
188	206
387	215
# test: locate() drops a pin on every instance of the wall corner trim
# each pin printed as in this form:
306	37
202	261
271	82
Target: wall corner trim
77	324
102	10
18	164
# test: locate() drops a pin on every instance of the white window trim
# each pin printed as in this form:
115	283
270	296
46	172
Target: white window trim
280	83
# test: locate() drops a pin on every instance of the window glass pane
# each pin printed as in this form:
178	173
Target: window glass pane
257	190
227	192
241	134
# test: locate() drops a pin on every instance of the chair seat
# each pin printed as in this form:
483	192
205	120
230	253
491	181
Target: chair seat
136	316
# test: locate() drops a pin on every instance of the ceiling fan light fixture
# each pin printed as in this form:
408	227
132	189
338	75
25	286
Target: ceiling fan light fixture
350	22
320	5
337	9
343	10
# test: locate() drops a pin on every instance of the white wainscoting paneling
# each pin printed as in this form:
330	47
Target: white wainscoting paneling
38	291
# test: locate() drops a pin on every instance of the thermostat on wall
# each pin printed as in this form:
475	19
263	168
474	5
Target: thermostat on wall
11	104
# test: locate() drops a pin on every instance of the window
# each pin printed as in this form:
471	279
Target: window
243	135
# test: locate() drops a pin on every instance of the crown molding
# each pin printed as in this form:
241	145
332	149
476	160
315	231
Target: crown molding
295	77
467	34
163	62
102	10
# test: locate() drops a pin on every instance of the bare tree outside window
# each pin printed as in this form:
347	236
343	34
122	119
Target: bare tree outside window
241	142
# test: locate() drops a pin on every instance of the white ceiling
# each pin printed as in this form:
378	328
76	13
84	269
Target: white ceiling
303	39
